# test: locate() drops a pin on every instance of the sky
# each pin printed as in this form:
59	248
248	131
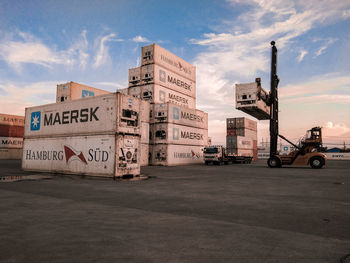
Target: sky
45	43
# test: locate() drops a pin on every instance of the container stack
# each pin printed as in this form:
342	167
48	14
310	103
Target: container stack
98	136
178	132
241	137
11	136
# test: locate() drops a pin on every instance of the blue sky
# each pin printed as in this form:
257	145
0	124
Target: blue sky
43	43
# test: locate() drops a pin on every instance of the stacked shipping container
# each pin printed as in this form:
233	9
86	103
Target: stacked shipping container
169	83
241	137
97	136
11	136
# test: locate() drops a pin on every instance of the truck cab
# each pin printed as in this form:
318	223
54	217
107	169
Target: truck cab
214	154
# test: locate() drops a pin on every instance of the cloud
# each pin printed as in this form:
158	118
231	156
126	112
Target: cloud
302	54
102	55
140	39
111	84
327	43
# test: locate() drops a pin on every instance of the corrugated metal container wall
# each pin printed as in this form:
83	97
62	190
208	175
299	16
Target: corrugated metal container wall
90	155
239	142
7	119
135	91
11	130
11	142
158	94
230	123
145	130
99	115
145	111
244	123
160	56
248	100
170	113
10	154
154	74
134	76
172	154
74	91
144	154
124	91
242	132
178	134
240	152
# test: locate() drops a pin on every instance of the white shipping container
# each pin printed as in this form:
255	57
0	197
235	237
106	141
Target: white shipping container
134	76
154	54
171	113
158	94
144	160
154	74
124	91
98	115
135	91
170	133
74	91
249	100
240	152
105	155
172	154
145	132
145	111
7	119
10	154
11	142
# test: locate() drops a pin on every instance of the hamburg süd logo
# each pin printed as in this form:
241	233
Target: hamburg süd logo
74	155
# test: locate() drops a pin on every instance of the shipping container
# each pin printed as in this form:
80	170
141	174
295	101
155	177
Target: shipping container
241	122
101	155
145	155
135	91
11	131
11	142
7	119
10	154
134	76
74	91
249	99
173	154
171	113
98	115
170	133
230	123
154	54
124	91
240	152
145	130
145	111
154	74
158	94
241	132
239	142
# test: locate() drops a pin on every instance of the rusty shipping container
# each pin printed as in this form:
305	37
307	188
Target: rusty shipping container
170	133
249	99
8	119
74	91
154	74
11	131
154	54
241	132
103	114
101	155
173	154
158	94
11	142
134	76
171	113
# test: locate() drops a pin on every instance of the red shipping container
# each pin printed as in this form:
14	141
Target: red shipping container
11	131
231	132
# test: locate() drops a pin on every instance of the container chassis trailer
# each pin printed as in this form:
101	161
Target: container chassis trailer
217	154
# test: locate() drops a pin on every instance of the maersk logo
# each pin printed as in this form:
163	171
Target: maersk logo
162	76
176	113
175	133
162	96
87	93
35	120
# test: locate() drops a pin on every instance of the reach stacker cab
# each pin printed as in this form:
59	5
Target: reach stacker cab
307	152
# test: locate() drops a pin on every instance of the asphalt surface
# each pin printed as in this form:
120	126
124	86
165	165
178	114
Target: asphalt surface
197	213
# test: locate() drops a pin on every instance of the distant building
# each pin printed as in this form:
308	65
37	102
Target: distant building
334	150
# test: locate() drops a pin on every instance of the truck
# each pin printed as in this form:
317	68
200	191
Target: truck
217	154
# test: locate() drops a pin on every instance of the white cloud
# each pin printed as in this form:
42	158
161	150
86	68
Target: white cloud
302	54
140	39
102	55
111	84
327	43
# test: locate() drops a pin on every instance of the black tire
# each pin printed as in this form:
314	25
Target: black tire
316	162
206	162
274	162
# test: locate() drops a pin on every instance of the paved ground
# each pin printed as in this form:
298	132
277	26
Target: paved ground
235	213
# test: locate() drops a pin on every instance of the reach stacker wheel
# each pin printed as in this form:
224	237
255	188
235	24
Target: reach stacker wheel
316	162
274	162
